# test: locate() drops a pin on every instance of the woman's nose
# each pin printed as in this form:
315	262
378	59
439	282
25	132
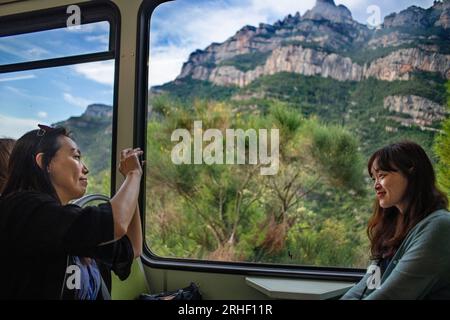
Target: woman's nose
377	185
85	169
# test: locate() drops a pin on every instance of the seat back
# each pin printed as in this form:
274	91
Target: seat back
133	286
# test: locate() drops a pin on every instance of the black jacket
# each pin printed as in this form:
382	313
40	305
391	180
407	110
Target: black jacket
39	236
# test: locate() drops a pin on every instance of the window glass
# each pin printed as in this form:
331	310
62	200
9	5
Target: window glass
79	97
55	43
315	88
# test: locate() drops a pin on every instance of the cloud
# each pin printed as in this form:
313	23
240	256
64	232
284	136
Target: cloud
174	38
25	93
102	26
281	7
104	39
109	92
165	63
101	72
16	78
42	114
76	101
37	53
24	49
355	3
15	127
61	85
13	90
10	50
198	27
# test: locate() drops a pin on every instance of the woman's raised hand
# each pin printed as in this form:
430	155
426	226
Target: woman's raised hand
125	201
129	161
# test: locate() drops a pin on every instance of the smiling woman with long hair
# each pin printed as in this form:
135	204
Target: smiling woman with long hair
409	230
51	248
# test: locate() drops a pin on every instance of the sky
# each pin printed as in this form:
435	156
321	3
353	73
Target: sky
50	95
177	28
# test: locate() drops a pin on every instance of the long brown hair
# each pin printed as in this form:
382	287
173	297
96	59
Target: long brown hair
6	146
387	227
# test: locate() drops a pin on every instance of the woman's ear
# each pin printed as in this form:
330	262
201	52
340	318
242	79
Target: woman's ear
39	160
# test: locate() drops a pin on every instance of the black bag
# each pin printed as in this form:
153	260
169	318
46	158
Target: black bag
189	293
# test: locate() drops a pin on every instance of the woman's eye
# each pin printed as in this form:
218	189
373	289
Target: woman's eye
77	157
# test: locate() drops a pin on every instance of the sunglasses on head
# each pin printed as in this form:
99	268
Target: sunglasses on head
43	129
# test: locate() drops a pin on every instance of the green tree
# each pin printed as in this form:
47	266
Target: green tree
442	150
231	212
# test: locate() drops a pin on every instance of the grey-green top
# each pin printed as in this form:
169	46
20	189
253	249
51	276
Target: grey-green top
420	269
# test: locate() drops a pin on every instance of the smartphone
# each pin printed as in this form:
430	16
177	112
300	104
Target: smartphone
141	158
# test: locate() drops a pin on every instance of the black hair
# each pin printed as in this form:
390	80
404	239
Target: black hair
6	146
24	172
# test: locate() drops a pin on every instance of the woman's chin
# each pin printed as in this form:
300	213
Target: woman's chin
385	205
81	193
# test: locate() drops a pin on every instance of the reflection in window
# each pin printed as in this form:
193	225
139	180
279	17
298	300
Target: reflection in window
335	82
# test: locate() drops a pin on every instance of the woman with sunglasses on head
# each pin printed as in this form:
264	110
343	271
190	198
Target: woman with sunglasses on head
57	250
409	230
6	146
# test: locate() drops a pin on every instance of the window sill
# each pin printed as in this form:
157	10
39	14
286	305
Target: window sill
299	289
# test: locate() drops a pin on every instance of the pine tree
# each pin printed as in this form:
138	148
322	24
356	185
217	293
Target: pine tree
442	150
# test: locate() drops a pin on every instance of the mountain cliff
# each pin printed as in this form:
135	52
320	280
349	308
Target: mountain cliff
415	17
326	41
93	131
383	84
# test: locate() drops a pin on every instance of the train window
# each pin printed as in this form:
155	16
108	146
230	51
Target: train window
57	76
262	116
55	43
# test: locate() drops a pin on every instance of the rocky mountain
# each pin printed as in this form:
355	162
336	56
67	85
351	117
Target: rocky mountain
418	18
98	111
327	42
327	10
420	110
92	132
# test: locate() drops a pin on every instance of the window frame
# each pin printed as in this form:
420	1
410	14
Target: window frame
140	133
56	17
